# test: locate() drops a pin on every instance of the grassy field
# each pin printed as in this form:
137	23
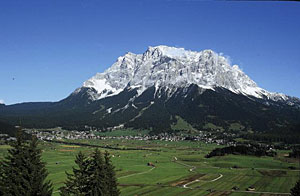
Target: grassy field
180	169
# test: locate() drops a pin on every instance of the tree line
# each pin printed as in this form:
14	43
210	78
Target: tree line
241	149
23	173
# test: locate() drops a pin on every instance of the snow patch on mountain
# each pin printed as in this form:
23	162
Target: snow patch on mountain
101	85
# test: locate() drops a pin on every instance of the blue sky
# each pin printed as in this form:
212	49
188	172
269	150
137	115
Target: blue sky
49	48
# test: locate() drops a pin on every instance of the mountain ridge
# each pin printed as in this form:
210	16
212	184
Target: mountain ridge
154	89
163	66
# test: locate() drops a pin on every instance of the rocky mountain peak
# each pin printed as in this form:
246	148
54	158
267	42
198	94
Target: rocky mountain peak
171	68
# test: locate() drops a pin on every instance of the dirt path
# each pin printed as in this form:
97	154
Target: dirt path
137	173
186	185
186	165
197	180
220	176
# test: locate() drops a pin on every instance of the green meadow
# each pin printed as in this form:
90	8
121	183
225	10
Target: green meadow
180	168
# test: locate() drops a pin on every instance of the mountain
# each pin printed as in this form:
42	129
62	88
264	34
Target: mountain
161	88
174	68
7	129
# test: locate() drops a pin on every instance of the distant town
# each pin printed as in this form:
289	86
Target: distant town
60	134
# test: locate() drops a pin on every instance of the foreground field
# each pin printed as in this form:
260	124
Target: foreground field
179	169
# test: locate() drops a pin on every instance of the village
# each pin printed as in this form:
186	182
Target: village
60	134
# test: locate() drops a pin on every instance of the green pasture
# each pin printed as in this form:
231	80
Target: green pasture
180	168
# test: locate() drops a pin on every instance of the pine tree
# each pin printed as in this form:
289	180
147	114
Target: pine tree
76	183
23	172
296	190
37	171
111	176
95	176
11	168
1	180
98	182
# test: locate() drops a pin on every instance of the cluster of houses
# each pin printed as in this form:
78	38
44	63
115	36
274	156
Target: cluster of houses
59	134
6	137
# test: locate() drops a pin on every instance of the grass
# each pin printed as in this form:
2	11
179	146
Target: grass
212	127
236	127
266	174
181	124
4	147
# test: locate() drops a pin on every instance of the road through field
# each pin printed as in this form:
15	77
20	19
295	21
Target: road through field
137	173
220	176
197	180
186	165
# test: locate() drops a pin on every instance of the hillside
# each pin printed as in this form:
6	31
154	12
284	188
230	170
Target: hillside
162	87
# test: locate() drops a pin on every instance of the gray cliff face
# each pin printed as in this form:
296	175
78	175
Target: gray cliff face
169	68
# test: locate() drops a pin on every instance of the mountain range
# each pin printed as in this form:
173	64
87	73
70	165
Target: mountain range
163	89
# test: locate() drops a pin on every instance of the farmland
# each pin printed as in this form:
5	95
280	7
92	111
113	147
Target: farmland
179	168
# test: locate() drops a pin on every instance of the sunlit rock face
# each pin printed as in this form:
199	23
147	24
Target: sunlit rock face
169	68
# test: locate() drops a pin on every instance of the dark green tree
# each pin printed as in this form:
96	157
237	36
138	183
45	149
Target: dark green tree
98	180
111	176
296	190
93	176
76	183
37	171
1	180
23	172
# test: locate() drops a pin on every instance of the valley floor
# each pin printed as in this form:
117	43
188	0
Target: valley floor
179	168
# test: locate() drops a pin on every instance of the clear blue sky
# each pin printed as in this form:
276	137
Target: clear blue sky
50	47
